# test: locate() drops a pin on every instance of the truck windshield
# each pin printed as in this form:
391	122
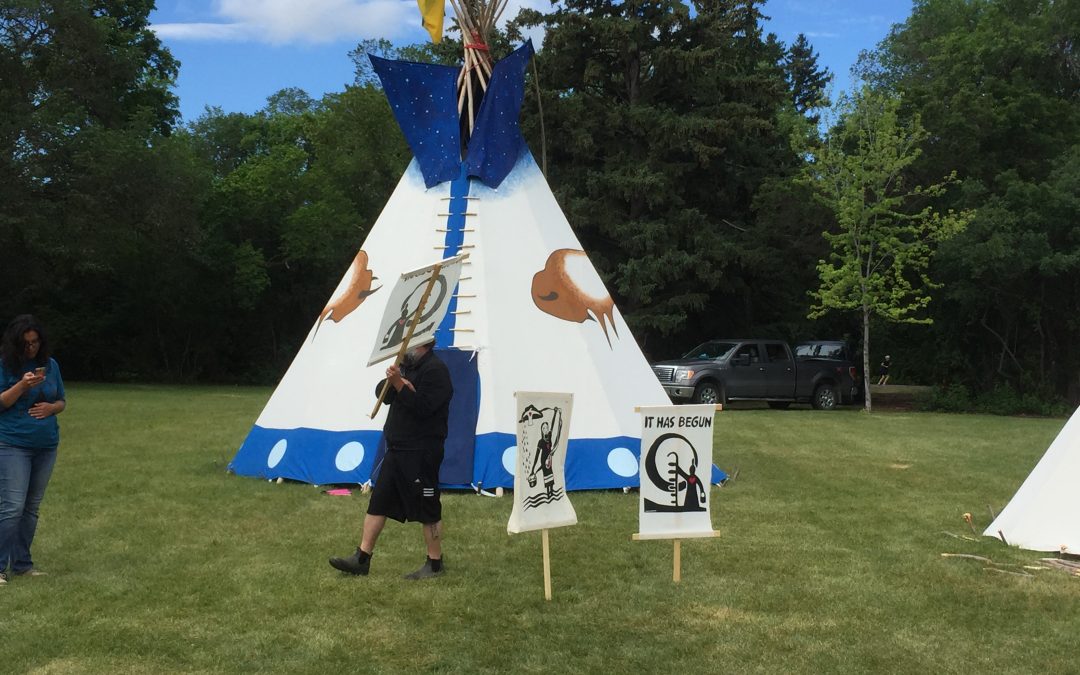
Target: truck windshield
710	350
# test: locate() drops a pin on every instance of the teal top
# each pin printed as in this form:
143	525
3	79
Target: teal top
17	427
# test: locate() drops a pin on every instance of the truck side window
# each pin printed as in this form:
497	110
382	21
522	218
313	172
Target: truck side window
751	351
776	353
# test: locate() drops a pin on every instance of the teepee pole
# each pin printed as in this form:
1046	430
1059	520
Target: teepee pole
408	335
463	18
477	59
498	14
472	114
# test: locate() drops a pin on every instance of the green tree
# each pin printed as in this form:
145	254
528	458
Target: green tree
94	190
806	79
886	232
296	187
662	124
997	85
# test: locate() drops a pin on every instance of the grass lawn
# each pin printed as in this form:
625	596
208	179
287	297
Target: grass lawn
829	559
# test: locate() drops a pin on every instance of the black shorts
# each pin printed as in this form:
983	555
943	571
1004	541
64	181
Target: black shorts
408	486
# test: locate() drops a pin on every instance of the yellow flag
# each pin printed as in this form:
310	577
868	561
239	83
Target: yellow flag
433	12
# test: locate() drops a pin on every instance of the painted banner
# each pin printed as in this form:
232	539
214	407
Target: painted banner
543	427
404	301
676	462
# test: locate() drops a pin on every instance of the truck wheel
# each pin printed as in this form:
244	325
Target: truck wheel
707	392
779	405
824	397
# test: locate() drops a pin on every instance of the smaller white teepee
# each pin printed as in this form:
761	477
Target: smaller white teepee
1044	514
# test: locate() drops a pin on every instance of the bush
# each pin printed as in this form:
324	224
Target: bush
1004	400
947	398
1001	400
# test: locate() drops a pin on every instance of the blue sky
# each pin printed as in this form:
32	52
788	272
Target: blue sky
236	53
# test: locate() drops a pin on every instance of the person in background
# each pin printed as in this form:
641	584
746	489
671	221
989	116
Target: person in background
883	371
31	396
408	486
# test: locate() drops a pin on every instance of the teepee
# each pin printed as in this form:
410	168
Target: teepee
529	313
1042	515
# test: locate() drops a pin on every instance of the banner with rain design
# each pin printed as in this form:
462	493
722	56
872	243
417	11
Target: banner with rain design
543	427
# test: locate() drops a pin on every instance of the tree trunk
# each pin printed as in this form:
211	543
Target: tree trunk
866	356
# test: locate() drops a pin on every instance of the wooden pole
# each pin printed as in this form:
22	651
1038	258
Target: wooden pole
464	20
547	565
677	574
468	88
408	335
540	108
498	15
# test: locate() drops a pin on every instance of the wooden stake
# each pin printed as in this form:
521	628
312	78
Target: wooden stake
547	565
408	335
677	574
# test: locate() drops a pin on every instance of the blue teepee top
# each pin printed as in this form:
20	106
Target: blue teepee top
423	97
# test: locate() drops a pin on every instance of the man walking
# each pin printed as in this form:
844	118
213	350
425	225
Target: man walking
408	487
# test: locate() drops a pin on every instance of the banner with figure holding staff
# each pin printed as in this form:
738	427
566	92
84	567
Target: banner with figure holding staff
540	499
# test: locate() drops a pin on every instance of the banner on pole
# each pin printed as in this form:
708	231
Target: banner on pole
676	462
405	300
543	427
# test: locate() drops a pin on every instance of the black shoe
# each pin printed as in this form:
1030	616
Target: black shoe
427	570
358	563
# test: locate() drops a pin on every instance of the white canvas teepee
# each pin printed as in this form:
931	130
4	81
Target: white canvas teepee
530	312
1043	515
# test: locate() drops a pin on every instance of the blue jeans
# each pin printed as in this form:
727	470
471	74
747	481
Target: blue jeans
24	473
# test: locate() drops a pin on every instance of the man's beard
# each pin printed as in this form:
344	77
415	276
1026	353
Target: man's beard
411	357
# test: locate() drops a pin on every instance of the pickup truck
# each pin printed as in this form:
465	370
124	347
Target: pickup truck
719	371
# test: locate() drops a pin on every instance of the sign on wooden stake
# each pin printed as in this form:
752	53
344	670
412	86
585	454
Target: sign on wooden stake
676	463
540	498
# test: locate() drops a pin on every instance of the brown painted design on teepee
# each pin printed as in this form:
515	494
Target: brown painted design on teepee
569	288
352	297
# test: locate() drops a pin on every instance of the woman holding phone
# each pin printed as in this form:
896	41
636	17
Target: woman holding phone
31	395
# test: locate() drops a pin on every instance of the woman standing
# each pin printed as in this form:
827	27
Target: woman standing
31	395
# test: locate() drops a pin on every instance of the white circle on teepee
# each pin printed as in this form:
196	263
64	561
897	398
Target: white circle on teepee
509	459
349	456
276	453
622	462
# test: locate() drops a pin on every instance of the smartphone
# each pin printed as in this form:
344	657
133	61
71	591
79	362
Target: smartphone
40	372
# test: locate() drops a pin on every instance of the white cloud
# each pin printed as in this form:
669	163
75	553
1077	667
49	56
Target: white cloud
318	21
280	21
313	21
201	31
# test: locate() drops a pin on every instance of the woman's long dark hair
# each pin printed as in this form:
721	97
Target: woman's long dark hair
13	346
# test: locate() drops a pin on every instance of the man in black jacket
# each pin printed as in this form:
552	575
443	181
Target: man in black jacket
408	487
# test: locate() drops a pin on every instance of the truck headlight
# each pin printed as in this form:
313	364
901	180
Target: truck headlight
683	374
